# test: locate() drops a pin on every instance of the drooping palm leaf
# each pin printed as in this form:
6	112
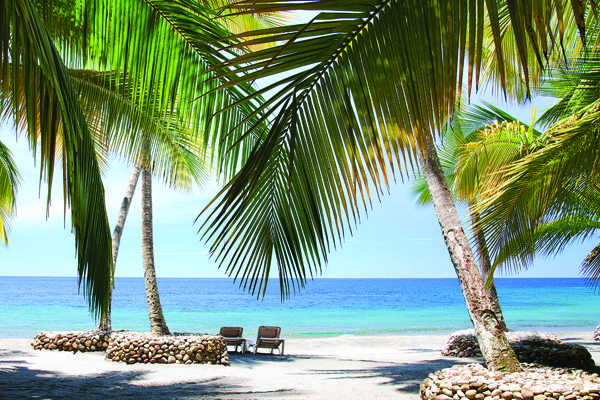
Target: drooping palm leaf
165	52
367	82
52	107
170	59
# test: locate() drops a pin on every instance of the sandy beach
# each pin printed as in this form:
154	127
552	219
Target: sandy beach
345	367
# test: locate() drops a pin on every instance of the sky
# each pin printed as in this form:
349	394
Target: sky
399	239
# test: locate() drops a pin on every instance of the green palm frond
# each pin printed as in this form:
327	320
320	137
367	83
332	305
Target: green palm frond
480	162
366	84
166	51
550	198
461	139
177	73
51	108
9	183
578	88
239	23
177	154
590	268
539	187
548	239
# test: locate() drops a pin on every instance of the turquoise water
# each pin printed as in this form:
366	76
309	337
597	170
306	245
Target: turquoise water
325	307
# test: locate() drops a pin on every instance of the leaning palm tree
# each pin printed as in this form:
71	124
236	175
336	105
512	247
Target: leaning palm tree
461	133
370	86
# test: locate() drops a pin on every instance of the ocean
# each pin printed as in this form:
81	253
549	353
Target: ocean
326	307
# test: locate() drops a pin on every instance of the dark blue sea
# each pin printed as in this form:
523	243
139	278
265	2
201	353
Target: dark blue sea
326	307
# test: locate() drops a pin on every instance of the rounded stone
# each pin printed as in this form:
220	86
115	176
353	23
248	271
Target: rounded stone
471	393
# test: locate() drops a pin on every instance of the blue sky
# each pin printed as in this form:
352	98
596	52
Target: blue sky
399	239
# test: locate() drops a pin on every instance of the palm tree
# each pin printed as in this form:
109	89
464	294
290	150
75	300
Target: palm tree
122	126
370	86
173	82
157	320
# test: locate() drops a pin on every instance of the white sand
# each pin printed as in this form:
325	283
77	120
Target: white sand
346	367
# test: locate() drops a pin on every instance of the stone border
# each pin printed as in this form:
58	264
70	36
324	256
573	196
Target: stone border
474	382
72	341
529	347
134	347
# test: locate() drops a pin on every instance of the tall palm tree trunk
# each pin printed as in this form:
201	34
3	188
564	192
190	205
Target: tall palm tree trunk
158	325
485	266
495	348
105	323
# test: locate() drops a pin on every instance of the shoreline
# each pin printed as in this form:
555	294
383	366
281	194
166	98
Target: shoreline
558	331
348	366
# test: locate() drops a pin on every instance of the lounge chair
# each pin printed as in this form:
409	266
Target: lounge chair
233	337
268	338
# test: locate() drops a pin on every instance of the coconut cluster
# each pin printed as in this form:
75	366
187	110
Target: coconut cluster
529	347
134	347
72	341
474	382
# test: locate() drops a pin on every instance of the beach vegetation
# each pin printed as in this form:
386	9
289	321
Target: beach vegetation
180	172
547	196
368	88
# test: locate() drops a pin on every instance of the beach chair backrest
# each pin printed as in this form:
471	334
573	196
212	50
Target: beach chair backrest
231	331
269	332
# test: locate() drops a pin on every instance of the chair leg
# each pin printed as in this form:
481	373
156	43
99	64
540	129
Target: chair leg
282	347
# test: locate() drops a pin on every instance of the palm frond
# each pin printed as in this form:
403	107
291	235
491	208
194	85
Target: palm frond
539	187
177	154
461	138
51	107
590	268
9	183
367	84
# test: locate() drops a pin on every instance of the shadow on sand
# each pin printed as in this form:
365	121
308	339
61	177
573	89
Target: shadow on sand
405	377
24	382
27	383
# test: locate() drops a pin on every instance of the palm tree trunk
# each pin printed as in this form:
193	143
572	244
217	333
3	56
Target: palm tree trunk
158	325
495	348
485	266
105	323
